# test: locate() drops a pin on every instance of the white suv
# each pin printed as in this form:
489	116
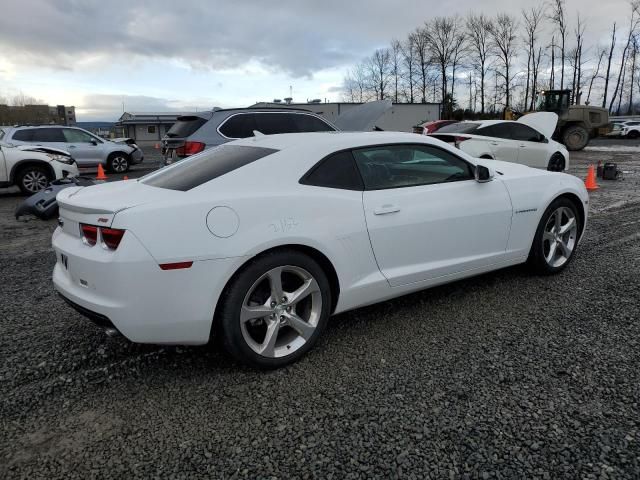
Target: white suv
87	149
630	129
32	168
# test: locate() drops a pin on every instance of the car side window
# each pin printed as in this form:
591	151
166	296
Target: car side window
274	123
525	133
335	171
309	123
72	135
47	135
498	130
239	126
23	135
397	166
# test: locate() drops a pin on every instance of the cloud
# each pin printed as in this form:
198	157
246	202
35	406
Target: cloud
101	106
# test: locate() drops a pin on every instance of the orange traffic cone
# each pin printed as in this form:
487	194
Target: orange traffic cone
125	178
590	182
101	175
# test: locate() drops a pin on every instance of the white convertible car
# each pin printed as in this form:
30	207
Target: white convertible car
260	240
527	141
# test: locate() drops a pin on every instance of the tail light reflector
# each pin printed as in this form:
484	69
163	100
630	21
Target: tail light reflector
175	266
89	234
459	140
190	148
111	237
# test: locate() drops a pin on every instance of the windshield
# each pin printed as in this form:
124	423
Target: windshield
461	127
205	166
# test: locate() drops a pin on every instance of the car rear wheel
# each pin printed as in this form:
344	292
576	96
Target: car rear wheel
275	309
556	163
556	238
32	179
633	134
118	163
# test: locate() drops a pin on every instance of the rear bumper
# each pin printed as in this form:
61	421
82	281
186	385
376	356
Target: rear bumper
126	290
100	320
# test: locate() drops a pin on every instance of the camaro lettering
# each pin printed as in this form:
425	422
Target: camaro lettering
284	225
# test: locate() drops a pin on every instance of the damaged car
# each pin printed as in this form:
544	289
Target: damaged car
527	141
32	168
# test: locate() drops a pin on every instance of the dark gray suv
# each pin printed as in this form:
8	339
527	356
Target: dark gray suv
196	132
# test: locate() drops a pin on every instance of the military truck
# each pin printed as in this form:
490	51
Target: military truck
576	123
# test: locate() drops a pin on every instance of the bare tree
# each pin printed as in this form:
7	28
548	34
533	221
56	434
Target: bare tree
503	34
557	16
408	64
479	38
632	73
552	78
577	61
442	33
380	68
532	18
420	42
395	54
606	77
457	56
633	27
601	53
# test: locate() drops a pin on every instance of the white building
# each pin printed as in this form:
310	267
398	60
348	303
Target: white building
402	117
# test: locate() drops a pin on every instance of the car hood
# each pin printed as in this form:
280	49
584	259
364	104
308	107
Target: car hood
362	118
544	122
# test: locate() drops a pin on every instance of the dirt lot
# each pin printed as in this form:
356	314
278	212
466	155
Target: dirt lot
501	376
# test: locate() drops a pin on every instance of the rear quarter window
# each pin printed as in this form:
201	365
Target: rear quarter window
23	135
463	127
241	125
206	166
185	126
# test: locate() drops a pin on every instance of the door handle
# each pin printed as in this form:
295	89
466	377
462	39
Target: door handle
494	143
522	145
72	146
386	209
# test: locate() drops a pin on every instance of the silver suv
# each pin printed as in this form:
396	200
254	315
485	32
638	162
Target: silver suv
86	148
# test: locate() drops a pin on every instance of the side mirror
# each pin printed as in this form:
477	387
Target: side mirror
483	174
94	142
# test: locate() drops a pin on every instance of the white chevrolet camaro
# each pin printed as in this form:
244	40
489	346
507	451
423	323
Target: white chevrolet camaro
260	240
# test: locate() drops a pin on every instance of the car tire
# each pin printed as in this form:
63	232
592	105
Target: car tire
556	238
33	178
290	323
575	137
633	134
118	162
556	163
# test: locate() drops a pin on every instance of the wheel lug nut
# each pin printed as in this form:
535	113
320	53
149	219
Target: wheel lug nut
284	299
288	309
273	304
281	318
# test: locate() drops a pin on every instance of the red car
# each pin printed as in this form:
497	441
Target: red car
431	127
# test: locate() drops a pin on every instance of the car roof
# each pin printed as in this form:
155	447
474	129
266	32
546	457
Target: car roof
333	140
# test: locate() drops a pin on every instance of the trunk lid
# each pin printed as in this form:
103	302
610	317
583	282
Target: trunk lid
99	204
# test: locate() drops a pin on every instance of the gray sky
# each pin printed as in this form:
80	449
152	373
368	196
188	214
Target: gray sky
161	55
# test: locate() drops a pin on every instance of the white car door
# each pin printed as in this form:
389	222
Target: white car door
427	216
498	136
3	167
533	150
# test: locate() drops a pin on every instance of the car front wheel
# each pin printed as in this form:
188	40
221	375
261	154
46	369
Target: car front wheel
32	179
556	163
275	309
556	238
118	163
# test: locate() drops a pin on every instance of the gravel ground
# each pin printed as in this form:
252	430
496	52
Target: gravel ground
506	375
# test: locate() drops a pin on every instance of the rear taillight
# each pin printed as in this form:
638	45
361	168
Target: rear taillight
459	140
190	148
111	237
89	234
